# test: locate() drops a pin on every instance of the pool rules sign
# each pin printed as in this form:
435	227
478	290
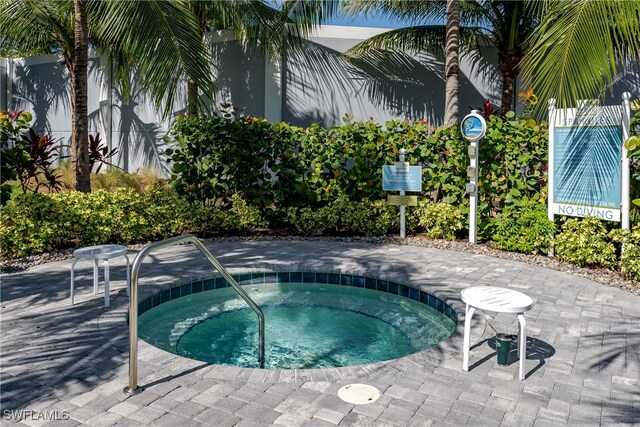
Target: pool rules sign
588	164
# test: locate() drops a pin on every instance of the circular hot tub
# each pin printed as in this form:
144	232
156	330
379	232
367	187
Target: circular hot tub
312	320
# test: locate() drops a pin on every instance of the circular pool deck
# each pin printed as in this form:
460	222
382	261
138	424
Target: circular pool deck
70	363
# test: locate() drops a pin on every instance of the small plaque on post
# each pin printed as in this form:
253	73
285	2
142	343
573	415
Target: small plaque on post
395	200
471	172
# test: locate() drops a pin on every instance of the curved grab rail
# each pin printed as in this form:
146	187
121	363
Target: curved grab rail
133	303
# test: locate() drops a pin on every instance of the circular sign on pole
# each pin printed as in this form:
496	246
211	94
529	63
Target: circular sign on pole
473	126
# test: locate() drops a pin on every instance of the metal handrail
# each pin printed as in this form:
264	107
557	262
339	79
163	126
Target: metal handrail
133	303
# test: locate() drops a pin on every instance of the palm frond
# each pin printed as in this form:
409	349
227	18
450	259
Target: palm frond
37	26
576	48
297	18
161	41
425	38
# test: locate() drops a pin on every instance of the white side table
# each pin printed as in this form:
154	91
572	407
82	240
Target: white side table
499	300
97	253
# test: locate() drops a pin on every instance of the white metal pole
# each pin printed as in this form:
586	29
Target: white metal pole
550	166
626	174
402	193
473	196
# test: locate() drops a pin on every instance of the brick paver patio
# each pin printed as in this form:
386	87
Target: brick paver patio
70	363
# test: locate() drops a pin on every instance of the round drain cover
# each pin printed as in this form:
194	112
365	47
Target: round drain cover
359	394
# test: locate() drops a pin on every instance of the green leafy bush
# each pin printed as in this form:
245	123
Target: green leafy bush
280	165
585	242
34	223
440	220
167	213
242	217
313	221
630	259
524	227
30	224
371	218
217	156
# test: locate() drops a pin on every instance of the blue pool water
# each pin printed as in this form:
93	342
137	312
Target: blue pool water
307	326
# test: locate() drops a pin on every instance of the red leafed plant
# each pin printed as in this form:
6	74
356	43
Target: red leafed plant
36	162
99	153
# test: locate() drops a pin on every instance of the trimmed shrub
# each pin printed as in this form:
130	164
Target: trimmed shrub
440	220
167	213
630	260
313	221
280	165
371	218
585	243
35	223
242	217
31	223
524	228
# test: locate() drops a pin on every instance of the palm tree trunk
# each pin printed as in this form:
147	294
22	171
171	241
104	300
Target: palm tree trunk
192	98
508	64
508	84
451	67
79	119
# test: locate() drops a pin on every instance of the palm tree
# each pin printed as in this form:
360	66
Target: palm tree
579	46
506	25
451	67
157	38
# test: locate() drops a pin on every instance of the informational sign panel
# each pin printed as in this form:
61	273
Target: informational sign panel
586	162
401	179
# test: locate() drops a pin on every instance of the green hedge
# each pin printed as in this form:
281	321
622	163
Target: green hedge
280	165
525	228
34	222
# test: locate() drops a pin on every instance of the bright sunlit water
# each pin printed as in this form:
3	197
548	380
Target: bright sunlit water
307	326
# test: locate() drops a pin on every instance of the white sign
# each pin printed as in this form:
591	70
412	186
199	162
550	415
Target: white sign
584	211
588	165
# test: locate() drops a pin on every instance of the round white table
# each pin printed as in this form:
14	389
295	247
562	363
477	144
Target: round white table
499	300
97	253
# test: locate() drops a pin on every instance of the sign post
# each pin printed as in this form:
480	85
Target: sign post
402	177
400	167
473	128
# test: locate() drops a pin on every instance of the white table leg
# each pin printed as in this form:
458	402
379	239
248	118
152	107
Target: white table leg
128	275
106	282
73	266
467	336
522	343
95	277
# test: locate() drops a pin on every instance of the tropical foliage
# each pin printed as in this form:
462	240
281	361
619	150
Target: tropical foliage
157	38
580	46
506	25
278	164
585	242
524	227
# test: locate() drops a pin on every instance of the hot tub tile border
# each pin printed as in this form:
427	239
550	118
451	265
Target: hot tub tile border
187	287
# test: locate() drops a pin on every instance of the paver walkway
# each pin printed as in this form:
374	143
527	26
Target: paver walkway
71	362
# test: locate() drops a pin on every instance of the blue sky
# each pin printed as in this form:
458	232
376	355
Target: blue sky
368	21
375	21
